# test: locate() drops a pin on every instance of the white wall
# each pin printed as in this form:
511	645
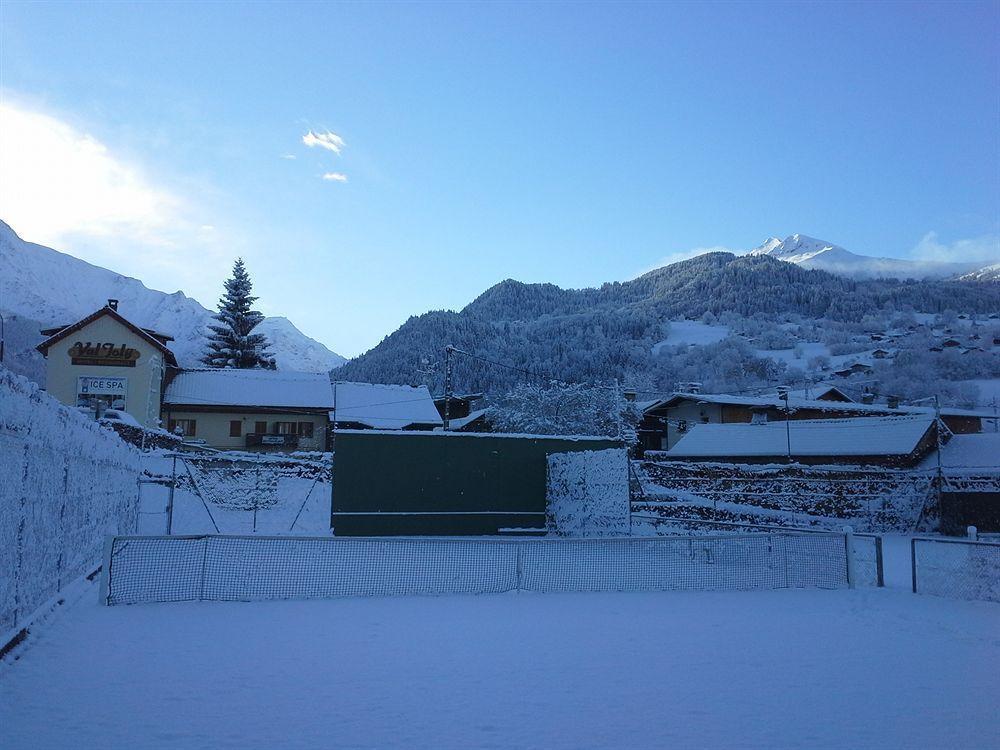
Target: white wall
65	483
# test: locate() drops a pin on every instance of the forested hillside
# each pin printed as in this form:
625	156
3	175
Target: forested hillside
608	333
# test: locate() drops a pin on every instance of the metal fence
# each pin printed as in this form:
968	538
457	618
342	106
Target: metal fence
866	548
957	568
241	568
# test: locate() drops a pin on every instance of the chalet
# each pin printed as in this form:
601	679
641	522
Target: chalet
666	420
261	410
951	343
898	442
855	369
880	354
106	361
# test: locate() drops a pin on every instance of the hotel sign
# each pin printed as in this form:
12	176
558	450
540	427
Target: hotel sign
100	353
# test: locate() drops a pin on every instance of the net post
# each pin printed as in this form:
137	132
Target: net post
519	569
879	569
849	554
913	563
104	589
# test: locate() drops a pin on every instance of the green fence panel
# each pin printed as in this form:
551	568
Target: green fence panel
396	483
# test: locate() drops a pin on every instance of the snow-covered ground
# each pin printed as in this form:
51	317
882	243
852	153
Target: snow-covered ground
989	389
793	668
687	332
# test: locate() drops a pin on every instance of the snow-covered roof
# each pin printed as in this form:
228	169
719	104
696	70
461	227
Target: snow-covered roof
384	407
858	436
797	403
460	422
267	388
974	451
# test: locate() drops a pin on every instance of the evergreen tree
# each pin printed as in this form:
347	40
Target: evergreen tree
232	342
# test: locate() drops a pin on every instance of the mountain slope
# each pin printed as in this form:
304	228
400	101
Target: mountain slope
987	273
44	285
608	332
815	254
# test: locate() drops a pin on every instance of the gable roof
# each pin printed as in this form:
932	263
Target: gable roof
243	388
858	436
147	336
384	407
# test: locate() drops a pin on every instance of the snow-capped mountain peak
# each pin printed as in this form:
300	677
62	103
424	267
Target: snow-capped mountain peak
813	253
52	288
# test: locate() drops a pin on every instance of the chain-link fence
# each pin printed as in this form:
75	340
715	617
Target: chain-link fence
225	568
958	568
866	548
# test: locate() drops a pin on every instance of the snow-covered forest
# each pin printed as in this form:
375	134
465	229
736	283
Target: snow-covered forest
776	323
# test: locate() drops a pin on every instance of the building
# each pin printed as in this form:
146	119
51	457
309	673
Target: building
106	361
274	410
250	409
667	420
898	442
376	406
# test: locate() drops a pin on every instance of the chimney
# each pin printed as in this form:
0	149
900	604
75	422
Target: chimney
113	304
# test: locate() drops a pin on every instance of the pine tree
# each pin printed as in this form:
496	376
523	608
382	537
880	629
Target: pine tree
231	342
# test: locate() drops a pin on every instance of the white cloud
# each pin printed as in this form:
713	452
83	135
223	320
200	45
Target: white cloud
325	139
290	157
59	181
985	248
62	187
335	177
680	255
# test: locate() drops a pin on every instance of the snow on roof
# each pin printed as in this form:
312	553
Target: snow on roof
460	422
384	407
972	451
797	403
231	387
859	436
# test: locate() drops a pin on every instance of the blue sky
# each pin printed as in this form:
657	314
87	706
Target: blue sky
571	143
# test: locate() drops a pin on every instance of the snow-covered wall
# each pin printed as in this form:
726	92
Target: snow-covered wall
587	493
65	483
870	499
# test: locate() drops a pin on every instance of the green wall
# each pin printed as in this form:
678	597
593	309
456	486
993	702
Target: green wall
377	474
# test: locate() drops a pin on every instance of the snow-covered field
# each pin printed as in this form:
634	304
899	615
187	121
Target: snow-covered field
792	668
687	332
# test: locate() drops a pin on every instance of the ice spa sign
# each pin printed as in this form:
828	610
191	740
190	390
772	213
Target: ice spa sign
112	390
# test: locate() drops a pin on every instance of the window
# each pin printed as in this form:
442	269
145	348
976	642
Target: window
286	428
306	429
188	427
260	428
235	428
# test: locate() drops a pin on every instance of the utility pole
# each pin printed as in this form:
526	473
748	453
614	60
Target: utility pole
783	395
448	351
2	337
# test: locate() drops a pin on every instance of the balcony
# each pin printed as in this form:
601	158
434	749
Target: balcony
272	441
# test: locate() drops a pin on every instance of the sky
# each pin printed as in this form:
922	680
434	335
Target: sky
375	161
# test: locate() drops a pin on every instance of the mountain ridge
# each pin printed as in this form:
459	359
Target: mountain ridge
815	254
607	332
39	283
